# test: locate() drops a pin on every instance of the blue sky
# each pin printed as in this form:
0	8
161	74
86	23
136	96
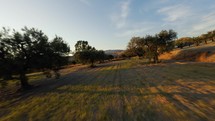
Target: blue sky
108	24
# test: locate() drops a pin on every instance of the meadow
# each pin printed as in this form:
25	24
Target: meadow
120	91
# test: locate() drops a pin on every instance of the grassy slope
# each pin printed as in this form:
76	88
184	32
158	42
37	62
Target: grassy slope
122	90
203	53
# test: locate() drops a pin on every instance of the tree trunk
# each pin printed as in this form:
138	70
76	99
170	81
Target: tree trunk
24	81
156	58
156	55
206	42
150	60
92	64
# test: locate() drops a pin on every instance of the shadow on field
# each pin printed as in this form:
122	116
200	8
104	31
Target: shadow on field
158	75
195	54
128	93
188	87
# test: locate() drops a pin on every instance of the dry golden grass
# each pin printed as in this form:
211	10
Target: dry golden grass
203	53
36	78
118	91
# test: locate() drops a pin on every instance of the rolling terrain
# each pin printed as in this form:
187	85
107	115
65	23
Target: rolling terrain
203	53
121	90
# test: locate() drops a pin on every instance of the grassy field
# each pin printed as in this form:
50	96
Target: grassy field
118	91
35	78
203	53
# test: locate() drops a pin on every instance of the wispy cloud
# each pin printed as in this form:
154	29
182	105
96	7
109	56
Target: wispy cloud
174	13
186	19
133	32
119	19
205	23
137	29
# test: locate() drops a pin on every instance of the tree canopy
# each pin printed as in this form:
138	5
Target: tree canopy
188	41
88	54
151	46
29	50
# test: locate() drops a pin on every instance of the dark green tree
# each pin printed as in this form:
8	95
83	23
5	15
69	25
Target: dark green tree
135	47
211	35
184	41
6	56
205	37
152	46
30	50
101	56
82	45
197	40
87	54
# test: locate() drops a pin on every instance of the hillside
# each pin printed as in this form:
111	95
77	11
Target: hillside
203	53
113	52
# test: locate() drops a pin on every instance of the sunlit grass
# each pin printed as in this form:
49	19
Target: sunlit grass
125	90
203	53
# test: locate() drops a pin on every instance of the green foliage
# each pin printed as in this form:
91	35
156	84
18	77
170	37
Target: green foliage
211	35
151	46
83	46
109	57
197	40
187	41
89	56
135	47
86	54
184	41
29	50
59	46
165	40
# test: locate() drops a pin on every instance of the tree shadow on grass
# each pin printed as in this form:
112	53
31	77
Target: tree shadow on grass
78	77
190	112
128	93
116	87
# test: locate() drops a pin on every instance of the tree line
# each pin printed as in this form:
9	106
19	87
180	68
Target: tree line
151	46
86	54
30	49
188	41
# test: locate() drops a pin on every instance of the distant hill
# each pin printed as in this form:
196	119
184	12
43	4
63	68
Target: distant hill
113	52
203	53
